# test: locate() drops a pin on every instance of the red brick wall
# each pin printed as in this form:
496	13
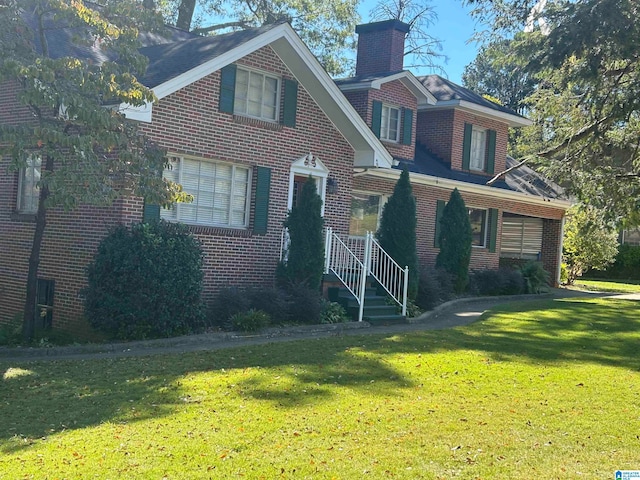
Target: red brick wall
186	122
426	200
442	131
394	94
380	51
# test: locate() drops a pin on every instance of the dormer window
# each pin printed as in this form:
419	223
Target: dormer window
479	149
390	124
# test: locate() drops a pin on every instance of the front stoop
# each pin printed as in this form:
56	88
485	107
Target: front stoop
376	309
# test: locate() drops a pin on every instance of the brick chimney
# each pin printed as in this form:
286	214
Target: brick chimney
380	47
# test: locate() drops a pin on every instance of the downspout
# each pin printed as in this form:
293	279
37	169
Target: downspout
559	268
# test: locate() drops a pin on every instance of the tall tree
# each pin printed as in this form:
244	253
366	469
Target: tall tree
397	232
497	72
586	109
455	238
421	48
327	27
78	141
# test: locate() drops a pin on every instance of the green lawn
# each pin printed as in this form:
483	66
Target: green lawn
613	286
536	390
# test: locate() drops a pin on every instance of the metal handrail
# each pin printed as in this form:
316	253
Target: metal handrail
391	276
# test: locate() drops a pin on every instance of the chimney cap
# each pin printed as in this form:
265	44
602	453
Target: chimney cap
392	24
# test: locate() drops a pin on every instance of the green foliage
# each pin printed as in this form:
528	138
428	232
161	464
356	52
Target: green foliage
589	241
435	287
304	304
397	232
504	281
536	278
225	305
274	301
145	281
305	255
625	266
90	154
327	27
250	321
332	312
585	107
455	241
498	73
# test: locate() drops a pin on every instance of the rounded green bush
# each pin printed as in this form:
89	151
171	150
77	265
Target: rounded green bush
145	282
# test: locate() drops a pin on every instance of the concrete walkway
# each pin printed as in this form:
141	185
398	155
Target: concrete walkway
448	315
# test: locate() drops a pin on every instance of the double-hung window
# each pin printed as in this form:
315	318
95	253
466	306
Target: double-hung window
256	95
390	124
220	192
478	148
28	189
478	220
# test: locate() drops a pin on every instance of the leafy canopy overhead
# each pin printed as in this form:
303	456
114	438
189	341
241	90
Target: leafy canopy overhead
90	152
584	57
327	27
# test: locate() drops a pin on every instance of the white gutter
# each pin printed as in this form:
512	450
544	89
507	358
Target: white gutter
429	180
512	120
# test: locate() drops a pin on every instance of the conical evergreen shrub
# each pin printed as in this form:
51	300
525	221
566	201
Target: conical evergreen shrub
397	232
305	260
455	241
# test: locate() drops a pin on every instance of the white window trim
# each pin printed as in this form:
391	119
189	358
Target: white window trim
20	200
178	206
398	125
485	228
483	153
384	198
309	165
278	94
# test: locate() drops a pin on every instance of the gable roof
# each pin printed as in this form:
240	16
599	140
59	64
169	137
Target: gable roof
408	79
452	95
178	58
174	66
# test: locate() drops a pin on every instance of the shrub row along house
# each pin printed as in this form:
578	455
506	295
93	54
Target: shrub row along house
246	118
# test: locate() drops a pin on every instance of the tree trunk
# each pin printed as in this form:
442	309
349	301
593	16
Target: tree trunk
30	312
185	14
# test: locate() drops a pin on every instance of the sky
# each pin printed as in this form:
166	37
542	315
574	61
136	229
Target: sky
453	27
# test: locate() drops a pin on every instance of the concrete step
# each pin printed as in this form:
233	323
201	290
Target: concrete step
385	319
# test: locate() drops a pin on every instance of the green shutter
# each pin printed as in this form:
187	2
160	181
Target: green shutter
440	204
261	217
491	151
493	229
407	126
290	103
376	117
466	146
227	88
150	212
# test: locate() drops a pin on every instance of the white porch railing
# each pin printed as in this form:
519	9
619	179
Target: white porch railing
347	267
352	260
391	276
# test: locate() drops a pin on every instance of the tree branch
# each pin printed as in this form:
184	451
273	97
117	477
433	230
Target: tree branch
204	30
579	135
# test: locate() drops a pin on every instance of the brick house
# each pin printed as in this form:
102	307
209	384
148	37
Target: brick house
246	117
448	137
